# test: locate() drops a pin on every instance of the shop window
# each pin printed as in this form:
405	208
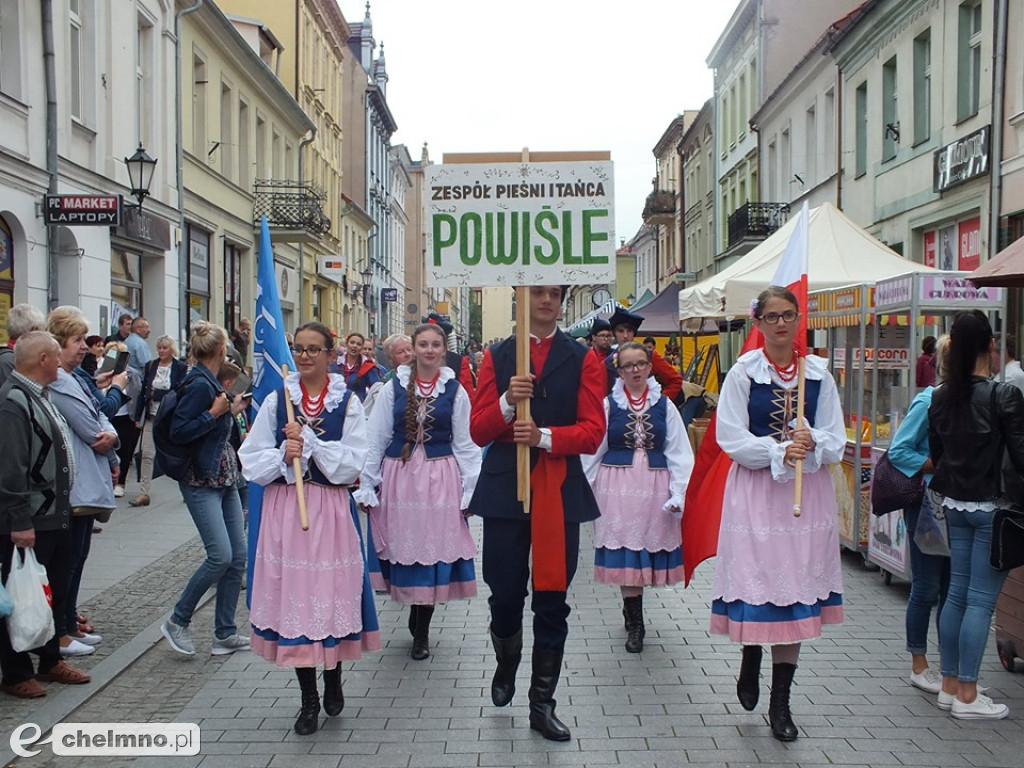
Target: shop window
198	278
6	277
126	281
232	286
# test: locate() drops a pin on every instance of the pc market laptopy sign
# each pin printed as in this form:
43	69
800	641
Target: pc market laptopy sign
544	223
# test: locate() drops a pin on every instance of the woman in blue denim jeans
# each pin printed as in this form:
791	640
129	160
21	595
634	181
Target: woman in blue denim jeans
972	424
203	421
929	574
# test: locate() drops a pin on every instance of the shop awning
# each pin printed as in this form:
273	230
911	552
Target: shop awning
1005	269
840	254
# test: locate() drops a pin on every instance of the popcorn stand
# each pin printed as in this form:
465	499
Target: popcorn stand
843	315
908	308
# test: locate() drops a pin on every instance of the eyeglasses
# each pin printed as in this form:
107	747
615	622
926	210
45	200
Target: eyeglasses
311	352
604	335
773	318
630	367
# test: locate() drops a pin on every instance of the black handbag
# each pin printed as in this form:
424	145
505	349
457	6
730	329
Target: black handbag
1007	539
891	489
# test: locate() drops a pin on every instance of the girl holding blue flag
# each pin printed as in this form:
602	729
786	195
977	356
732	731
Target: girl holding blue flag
311	602
426	465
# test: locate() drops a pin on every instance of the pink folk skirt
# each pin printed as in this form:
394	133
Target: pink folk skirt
311	602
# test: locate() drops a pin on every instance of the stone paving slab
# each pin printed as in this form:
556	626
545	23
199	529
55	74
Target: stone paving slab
673	704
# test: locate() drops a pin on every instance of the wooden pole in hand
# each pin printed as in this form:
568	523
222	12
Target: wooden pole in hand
523	406
300	491
798	488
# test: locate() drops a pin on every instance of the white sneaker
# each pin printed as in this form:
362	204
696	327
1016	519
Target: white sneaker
945	701
929	681
229	645
88	639
982	708
76	648
118	491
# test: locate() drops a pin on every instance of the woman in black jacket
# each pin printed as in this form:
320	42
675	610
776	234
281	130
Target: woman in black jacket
159	377
972	424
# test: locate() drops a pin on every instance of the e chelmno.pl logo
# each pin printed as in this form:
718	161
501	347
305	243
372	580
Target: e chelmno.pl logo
109	739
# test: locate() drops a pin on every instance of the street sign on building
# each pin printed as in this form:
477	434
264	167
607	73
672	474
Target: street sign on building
332	267
961	161
389	294
83	210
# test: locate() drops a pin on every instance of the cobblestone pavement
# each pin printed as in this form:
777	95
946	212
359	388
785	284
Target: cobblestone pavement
674	704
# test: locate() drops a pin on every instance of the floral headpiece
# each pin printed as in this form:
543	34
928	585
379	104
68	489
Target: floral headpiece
753	309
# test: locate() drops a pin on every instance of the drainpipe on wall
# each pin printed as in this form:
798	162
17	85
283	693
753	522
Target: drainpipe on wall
50	76
179	170
998	94
302	258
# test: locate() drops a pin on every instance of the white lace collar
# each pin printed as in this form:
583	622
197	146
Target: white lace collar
404	371
619	393
335	390
759	368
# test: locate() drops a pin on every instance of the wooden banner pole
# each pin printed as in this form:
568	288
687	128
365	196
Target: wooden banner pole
300	490
523	406
798	488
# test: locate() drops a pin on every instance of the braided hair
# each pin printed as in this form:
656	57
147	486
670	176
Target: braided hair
411	396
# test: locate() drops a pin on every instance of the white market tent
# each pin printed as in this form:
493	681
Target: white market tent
840	253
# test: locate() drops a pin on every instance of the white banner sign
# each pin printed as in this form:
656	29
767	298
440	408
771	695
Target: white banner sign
520	224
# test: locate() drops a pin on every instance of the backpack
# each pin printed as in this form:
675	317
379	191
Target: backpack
172	459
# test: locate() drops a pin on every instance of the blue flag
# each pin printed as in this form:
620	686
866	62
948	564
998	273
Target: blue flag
270	352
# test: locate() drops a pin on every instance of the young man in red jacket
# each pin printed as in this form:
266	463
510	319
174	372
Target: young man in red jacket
566	390
625	325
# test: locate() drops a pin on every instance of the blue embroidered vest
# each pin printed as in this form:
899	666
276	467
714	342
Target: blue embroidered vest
437	423
329	425
771	408
555	395
622	429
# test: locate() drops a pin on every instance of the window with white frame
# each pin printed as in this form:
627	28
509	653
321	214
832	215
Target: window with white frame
143	81
76	60
890	111
968	84
829	132
10	50
923	87
811	143
860	121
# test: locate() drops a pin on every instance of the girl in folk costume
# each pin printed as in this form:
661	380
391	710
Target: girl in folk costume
311	601
426	465
639	475
778	576
359	372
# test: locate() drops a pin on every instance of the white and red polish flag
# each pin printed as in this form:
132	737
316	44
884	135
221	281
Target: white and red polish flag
702	514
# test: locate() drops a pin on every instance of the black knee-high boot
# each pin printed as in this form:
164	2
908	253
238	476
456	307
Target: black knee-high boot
309	716
421	632
509	652
779	716
633	609
334	699
748	686
547	667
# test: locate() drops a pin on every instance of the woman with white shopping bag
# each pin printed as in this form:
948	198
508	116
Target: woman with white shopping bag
35	503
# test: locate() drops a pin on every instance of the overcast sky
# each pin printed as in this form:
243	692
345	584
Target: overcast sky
500	75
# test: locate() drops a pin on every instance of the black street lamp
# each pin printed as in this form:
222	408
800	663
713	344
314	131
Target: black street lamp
140	173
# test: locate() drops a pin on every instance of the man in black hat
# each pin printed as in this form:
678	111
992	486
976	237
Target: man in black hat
625	325
458	363
601	338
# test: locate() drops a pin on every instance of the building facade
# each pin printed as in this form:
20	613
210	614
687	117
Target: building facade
241	160
916	130
697	149
759	46
114	92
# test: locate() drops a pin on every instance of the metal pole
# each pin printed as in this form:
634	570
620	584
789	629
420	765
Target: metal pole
50	77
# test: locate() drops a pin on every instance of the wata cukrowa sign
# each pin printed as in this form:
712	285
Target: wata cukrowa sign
505	223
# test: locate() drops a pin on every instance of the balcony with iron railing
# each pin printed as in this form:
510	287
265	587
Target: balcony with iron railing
756	221
294	210
660	207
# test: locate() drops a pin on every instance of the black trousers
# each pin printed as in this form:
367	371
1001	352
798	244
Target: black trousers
506	564
52	550
128	434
